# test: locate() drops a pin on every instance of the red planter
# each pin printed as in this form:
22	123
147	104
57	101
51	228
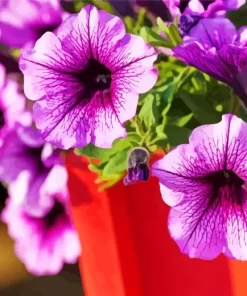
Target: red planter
127	250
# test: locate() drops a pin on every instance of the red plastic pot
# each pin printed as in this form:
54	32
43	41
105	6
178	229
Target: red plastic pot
127	250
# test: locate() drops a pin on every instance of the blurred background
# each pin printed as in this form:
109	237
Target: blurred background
16	281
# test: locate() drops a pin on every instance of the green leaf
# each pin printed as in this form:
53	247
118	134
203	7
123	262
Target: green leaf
180	121
203	111
163	27
163	43
154	34
104	5
175	136
94	152
141	17
149	113
117	163
132	139
160	129
168	94
129	22
174	35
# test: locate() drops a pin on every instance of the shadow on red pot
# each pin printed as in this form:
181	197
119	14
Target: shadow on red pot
127	250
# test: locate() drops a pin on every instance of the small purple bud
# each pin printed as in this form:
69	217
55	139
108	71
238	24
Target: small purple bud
187	22
138	169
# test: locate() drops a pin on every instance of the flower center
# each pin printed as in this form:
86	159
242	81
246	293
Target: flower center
96	77
57	211
229	182
2	121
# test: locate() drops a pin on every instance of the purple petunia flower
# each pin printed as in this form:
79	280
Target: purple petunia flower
191	11
87	79
43	243
30	167
218	49
203	8
205	184
12	105
24	21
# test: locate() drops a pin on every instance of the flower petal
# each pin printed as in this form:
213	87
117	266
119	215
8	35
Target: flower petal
47	68
227	64
205	154
236	231
131	63
197	227
236	160
213	32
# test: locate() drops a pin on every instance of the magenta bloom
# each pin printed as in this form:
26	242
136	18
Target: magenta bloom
43	243
203	8
12	105
218	49
205	184
24	21
87	78
29	166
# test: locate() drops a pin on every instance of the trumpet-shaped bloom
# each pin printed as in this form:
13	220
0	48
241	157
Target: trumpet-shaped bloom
30	167
43	243
205	184
24	21
86	79
218	49
12	105
203	8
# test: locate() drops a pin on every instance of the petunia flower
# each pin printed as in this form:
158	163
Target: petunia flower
203	8
43	243
30	167
24	21
215	47
86	79
12	105
192	11
204	182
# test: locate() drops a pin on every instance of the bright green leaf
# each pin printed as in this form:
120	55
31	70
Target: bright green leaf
163	27
174	34
180	121
163	43
117	163
203	111
175	136
94	152
149	113
160	129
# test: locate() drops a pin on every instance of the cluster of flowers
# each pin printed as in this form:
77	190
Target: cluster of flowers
37	209
86	76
